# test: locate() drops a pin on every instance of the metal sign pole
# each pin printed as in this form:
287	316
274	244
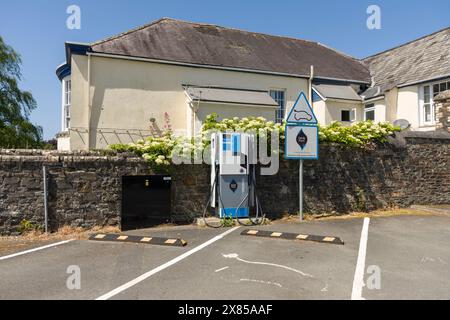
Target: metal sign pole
44	174
300	173
302	138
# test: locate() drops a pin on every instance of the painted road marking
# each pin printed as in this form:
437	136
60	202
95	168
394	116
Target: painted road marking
236	256
263	282
222	269
35	249
162	267
358	281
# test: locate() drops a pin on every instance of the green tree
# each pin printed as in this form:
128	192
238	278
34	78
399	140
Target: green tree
16	131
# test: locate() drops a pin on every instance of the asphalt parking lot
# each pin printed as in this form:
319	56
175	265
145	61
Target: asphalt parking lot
401	257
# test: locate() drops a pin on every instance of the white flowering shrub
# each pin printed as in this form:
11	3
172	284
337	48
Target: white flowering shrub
259	126
238	124
360	134
159	151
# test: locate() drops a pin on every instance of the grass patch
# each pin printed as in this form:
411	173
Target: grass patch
66	232
359	215
36	238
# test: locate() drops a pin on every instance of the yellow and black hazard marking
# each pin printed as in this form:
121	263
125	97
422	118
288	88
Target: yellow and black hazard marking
173	242
292	236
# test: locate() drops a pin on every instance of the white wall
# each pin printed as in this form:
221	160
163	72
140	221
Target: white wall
64	143
320	110
391	103
125	94
79	107
380	110
408	105
334	107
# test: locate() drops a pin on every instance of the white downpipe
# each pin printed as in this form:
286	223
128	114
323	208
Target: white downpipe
88	104
311	78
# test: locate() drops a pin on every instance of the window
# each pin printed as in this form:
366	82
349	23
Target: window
427	110
67	100
279	97
67	91
439	87
369	115
353	115
348	115
428	93
345	115
369	112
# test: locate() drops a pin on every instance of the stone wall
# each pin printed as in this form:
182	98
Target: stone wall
412	169
85	188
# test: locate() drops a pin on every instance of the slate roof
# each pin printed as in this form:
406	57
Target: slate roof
372	92
423	59
337	92
211	45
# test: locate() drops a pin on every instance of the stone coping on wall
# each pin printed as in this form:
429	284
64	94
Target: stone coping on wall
435	134
66	156
398	140
443	96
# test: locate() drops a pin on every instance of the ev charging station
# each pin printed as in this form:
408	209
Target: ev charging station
233	163
233	177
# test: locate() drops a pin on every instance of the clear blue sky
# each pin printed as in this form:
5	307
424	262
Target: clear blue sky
37	29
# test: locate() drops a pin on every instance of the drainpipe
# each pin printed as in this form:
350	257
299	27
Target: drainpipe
193	119
310	85
88	103
195	109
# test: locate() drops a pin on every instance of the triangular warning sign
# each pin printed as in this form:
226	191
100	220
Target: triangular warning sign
301	112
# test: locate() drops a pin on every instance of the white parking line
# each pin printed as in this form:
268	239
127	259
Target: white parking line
35	249
358	281
162	267
222	269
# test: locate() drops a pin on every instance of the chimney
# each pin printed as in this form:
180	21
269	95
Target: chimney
442	105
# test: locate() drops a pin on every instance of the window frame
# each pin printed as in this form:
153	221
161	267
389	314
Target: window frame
369	108
280	113
66	103
422	104
67	92
353	115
